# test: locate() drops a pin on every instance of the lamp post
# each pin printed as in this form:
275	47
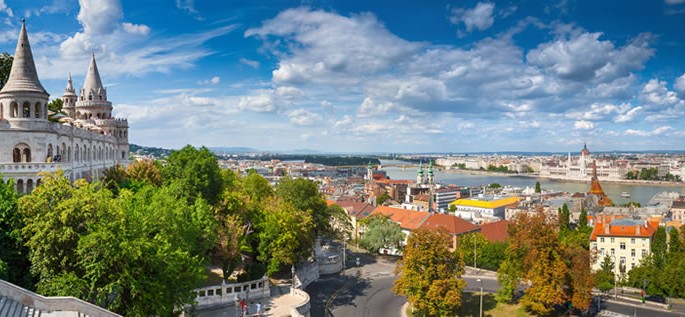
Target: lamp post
615	277
480	314
292	270
474	252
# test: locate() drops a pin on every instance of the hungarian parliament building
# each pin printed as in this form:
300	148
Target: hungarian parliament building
83	142
581	167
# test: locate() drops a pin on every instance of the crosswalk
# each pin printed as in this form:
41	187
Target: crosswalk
612	314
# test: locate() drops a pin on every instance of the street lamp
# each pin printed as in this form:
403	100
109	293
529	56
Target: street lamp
480	314
474	252
292	270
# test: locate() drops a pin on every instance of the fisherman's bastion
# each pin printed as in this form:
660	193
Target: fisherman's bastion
83	143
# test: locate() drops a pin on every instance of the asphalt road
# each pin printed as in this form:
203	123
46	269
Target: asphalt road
623	310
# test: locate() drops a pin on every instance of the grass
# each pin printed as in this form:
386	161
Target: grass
471	307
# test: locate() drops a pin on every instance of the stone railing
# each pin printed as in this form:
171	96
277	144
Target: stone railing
33	167
67	306
330	264
232	293
302	309
306	273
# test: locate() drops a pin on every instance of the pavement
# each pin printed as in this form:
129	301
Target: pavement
278	305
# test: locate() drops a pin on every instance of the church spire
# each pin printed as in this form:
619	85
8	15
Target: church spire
92	86
23	76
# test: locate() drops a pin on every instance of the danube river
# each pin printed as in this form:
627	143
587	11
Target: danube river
638	193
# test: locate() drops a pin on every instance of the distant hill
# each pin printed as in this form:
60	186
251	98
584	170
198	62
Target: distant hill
149	150
234	150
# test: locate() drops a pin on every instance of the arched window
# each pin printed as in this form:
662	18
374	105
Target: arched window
69	154
90	97
26	110
14	110
16	155
78	115
29	186
49	152
2	111
38	112
27	155
123	155
76	157
20	186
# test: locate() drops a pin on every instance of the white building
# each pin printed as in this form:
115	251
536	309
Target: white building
84	143
625	241
580	167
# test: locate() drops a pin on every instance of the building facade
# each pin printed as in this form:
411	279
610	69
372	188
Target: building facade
82	144
581	167
625	241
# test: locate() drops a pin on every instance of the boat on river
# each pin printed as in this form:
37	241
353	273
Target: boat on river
625	195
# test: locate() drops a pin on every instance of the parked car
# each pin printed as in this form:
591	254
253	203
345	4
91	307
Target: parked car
656	299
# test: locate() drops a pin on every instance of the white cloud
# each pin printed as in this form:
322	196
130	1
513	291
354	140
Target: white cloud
262	102
655	95
655	132
628	116
248	62
583	125
56	6
189	6
674	1
680	85
302	117
213	81
141	29
4	8
479	17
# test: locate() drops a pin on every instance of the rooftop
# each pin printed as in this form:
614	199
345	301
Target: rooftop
491	204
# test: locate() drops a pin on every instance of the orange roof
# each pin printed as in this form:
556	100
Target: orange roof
624	228
453	224
495	231
329	202
408	219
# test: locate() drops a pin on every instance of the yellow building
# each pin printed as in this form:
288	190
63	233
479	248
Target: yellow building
483	209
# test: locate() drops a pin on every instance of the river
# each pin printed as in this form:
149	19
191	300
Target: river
638	193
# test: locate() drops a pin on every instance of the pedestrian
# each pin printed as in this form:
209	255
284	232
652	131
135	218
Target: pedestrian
259	308
242	306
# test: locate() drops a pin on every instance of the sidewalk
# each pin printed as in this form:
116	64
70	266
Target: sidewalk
476	272
276	306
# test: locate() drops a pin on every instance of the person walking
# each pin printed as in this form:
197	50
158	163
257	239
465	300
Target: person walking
259	308
242	306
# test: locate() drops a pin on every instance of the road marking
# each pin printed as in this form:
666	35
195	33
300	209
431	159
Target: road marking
611	314
328	302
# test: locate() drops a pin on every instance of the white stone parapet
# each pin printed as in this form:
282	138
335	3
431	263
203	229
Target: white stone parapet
302	309
52	306
233	293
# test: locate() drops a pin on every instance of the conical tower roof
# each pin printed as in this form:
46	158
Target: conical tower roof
93	83
23	76
69	91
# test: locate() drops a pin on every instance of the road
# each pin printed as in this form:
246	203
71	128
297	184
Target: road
624	310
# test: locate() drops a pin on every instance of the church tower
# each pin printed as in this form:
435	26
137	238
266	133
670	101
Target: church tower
419	177
431	176
23	100
69	99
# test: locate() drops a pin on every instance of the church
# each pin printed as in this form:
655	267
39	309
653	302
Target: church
83	143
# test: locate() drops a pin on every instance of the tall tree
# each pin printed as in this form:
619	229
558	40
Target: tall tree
675	246
304	195
429	274
198	171
145	171
5	68
13	254
659	247
286	235
381	232
564	218
582	219
538	189
605	275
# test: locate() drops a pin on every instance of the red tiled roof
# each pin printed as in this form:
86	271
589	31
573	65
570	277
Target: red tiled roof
356	209
624	228
421	197
678	204
408	219
453	224
495	231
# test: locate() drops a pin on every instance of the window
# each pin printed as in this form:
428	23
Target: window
632	252
601	239
644	253
37	111
601	252
612	239
623	245
612	251
623	260
26	110
632	240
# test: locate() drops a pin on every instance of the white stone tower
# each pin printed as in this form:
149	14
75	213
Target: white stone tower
419	177
23	100
69	99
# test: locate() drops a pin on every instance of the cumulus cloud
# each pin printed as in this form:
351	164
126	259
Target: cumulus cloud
136	28
480	17
655	132
674	1
262	102
655	95
303	117
4	8
583	125
680	85
212	81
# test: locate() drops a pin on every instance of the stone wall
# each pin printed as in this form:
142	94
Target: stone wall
302	309
232	293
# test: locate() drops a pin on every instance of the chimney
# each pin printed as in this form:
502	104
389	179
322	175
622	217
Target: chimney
607	227
637	230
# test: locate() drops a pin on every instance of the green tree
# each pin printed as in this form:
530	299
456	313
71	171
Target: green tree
5	68
341	224
382	198
605	275
564	218
675	246
538	189
582	219
256	187
381	232
659	247
495	186
14	261
304	195
429	274
145	171
198	172
286	235
489	255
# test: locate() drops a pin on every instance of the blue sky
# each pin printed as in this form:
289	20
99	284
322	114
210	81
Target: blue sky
359	76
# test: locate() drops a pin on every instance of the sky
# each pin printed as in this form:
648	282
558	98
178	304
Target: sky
373	76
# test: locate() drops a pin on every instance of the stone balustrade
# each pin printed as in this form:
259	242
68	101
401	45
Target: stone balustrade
302	309
232	293
54	306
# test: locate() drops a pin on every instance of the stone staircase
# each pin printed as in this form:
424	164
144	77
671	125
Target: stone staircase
10	308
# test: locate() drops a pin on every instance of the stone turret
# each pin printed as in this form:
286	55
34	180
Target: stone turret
23	99
69	99
92	100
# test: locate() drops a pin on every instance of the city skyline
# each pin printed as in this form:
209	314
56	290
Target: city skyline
335	76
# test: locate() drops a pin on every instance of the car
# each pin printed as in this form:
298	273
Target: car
656	299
